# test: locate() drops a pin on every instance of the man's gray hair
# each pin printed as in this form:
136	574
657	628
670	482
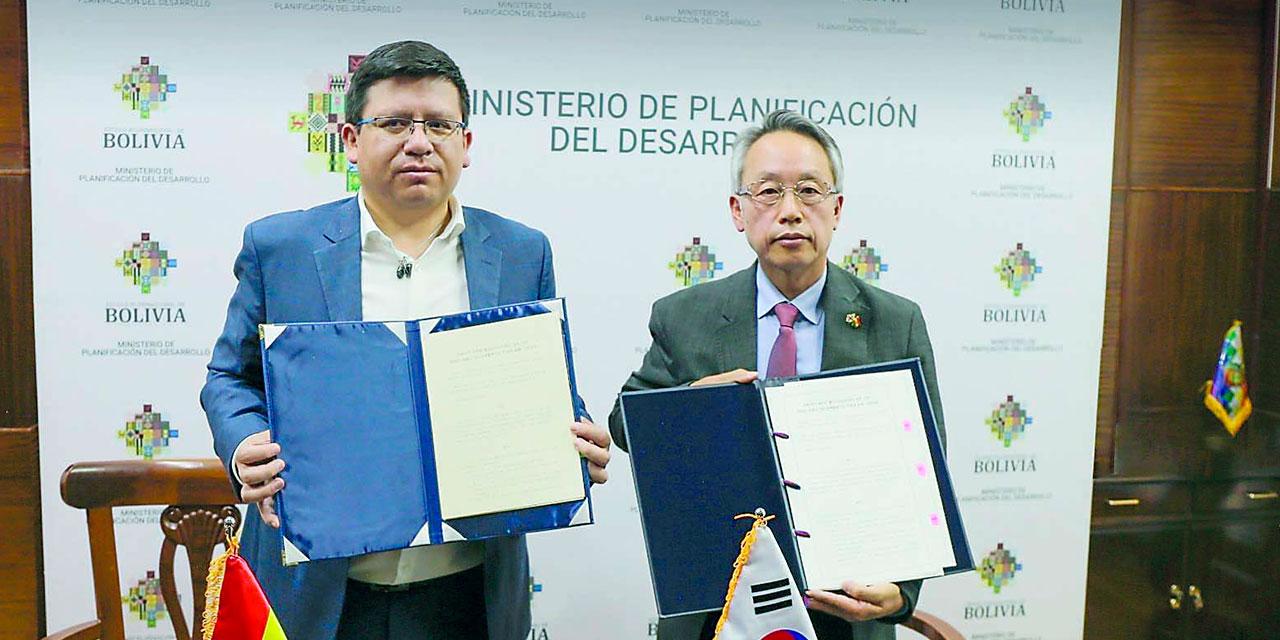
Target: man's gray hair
786	120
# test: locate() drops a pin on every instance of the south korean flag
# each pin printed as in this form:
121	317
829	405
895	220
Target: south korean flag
765	604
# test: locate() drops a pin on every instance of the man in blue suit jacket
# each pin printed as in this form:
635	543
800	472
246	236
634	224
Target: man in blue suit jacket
403	248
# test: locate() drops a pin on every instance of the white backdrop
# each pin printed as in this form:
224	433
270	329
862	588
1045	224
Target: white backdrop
923	97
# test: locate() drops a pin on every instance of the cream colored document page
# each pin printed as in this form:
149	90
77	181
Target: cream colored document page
500	407
865	474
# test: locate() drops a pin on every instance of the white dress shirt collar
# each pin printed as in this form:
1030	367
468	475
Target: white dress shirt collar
372	237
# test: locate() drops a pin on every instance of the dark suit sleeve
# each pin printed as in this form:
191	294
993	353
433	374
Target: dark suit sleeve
656	372
918	346
233	396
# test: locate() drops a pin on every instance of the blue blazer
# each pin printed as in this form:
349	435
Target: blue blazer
304	266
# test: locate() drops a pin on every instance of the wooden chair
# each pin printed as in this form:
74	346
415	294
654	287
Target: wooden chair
200	503
932	627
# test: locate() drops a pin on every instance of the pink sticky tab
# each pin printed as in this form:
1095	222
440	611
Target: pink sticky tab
906	425
933	519
921	469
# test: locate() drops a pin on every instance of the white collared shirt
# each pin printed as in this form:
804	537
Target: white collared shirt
437	285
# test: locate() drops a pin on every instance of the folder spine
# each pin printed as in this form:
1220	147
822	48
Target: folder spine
426	446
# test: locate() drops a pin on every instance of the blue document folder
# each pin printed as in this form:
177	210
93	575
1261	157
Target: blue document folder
702	455
349	404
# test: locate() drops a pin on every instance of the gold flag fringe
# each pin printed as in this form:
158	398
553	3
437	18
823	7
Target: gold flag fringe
744	552
213	588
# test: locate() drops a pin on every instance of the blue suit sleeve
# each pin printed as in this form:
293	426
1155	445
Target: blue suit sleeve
546	291
233	397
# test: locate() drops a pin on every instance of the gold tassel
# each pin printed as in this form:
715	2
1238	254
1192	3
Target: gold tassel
213	588
744	552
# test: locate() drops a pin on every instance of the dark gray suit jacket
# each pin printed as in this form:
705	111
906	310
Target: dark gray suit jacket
711	327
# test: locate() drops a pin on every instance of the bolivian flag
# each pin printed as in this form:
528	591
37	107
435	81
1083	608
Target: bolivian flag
1227	395
235	606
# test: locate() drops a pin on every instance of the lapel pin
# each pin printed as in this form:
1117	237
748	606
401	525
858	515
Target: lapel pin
854	320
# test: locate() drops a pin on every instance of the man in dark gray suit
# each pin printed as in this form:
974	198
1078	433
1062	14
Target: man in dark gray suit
793	312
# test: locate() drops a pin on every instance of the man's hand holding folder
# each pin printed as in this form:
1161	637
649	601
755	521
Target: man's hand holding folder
258	467
593	443
859	601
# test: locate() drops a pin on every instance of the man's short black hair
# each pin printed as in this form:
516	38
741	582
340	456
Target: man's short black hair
404	59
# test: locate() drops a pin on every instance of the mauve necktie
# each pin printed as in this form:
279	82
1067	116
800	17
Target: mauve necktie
782	359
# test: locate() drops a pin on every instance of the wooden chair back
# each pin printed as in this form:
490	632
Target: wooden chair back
199	504
932	627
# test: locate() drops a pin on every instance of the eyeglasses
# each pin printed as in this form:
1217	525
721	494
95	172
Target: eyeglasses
770	192
397	127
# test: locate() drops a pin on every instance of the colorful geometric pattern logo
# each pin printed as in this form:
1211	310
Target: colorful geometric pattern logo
784	634
695	264
321	125
863	262
1008	421
1018	269
144	600
145	263
1027	114
144	87
147	434
998	568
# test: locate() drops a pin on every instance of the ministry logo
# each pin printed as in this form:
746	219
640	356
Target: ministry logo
144	87
998	568
1008	421
1018	269
144	600
147	434
145	263
695	264
322	123
863	262
1027	114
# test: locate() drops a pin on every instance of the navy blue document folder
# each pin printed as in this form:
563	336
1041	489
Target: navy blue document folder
349	404
702	455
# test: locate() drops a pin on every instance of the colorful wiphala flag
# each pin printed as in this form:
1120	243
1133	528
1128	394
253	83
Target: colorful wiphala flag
1227	394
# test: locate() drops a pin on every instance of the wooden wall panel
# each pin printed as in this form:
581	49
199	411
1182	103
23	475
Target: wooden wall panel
1263	365
17	340
20	569
1188	272
14	145
1109	360
21	553
1124	100
1196	93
